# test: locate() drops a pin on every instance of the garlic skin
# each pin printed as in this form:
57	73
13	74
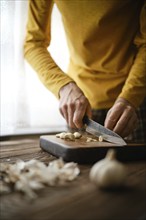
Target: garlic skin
108	172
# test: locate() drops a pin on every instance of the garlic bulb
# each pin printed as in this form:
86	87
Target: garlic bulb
108	172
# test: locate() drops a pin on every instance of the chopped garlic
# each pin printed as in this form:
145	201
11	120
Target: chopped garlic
90	139
100	138
61	135
69	136
77	135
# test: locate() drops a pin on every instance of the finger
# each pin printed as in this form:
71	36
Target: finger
113	116
71	109
79	114
132	123
64	113
88	111
123	120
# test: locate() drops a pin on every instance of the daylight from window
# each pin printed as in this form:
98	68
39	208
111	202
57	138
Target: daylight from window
25	103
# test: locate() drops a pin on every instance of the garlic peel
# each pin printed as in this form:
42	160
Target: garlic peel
34	175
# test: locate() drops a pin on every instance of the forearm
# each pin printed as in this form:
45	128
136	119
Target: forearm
134	89
38	37
48	72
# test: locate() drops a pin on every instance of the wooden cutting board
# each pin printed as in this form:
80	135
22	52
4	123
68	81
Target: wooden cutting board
83	152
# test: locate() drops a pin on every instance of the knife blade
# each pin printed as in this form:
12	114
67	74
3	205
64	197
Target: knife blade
97	129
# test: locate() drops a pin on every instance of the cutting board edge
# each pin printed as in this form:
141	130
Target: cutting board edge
91	155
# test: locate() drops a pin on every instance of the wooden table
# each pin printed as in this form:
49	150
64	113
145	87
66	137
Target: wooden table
79	199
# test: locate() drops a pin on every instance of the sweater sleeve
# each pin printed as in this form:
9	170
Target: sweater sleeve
134	89
38	37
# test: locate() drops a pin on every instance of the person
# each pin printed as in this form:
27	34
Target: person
106	77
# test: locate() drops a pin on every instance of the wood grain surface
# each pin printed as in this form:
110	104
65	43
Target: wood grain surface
77	200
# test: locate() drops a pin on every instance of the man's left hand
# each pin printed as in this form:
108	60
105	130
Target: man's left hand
121	118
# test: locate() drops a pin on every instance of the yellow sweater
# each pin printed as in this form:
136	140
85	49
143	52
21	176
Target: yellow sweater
107	44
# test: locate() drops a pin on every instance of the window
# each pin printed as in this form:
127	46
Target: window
26	105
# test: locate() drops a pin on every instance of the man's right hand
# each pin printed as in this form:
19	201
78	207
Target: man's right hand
73	105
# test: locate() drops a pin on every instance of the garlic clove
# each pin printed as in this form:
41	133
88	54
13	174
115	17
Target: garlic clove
66	136
77	135
61	135
89	139
100	138
70	136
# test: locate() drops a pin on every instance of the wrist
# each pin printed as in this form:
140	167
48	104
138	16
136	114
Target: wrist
124	101
66	86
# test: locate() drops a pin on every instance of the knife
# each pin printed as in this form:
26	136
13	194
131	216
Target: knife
97	129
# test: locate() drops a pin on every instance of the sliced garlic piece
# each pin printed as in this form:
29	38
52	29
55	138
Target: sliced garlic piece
69	136
77	135
89	139
61	135
100	138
